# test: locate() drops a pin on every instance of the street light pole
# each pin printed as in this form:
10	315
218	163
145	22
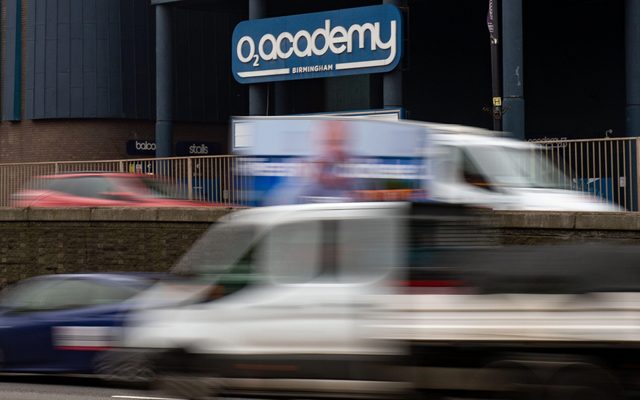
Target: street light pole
494	35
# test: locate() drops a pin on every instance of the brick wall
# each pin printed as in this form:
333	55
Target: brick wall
35	242
41	241
89	139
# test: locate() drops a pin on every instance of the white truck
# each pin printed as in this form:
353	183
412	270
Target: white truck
476	166
389	299
460	164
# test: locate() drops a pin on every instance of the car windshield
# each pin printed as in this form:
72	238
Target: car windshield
150	187
94	186
515	167
59	294
220	248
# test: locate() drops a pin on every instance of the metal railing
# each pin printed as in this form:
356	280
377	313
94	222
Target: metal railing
206	178
605	168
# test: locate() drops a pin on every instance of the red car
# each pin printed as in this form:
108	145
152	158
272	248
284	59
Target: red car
100	190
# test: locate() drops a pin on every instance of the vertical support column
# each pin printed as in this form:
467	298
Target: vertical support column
632	46
512	78
164	82
392	81
257	92
632	68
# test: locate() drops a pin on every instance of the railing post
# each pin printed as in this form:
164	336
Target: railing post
56	168
637	160
190	178
121	166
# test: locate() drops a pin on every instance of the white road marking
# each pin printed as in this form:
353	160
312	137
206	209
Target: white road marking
143	398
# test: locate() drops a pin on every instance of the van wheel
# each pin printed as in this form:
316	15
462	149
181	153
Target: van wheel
117	367
583	381
186	387
513	380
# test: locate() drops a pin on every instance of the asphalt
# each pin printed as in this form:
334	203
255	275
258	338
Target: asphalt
56	388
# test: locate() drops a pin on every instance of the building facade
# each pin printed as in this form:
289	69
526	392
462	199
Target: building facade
93	79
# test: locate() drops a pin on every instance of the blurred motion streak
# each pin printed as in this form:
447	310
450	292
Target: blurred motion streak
295	160
208	179
385	161
104	189
390	299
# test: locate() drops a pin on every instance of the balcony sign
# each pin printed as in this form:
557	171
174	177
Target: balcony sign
353	41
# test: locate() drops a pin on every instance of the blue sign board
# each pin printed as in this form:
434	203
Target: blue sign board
352	41
197	149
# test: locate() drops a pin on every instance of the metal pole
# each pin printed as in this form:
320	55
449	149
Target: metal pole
637	167
392	81
632	65
164	82
257	92
632	43
512	79
494	35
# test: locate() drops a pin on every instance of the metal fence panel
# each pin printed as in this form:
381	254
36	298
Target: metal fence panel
207	178
603	168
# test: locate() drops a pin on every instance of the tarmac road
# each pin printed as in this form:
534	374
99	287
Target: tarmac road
58	388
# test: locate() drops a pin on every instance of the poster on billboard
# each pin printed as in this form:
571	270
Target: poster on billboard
307	160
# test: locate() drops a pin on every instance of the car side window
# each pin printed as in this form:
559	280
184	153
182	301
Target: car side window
90	186
291	253
367	249
25	295
332	251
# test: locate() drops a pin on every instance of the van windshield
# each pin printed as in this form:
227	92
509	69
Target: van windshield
514	167
219	249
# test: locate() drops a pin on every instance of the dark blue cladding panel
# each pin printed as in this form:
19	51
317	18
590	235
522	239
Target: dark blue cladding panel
39	58
29	68
203	85
114	56
144	41
96	59
196	42
8	74
74	64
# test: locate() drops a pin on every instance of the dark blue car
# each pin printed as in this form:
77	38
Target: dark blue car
64	323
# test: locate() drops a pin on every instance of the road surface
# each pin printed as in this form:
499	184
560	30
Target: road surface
57	388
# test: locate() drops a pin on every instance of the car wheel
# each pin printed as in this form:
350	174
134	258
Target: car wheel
187	387
121	367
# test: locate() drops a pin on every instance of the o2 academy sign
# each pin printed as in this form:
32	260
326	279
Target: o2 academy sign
360	40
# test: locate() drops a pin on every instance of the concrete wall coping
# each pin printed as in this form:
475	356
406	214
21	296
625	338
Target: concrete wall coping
132	214
622	221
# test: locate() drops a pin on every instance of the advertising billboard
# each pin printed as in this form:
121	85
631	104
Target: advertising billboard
306	160
360	40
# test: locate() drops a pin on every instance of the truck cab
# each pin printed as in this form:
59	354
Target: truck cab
479	167
290	287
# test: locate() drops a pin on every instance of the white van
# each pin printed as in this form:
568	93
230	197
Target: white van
474	166
291	288
379	299
464	165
